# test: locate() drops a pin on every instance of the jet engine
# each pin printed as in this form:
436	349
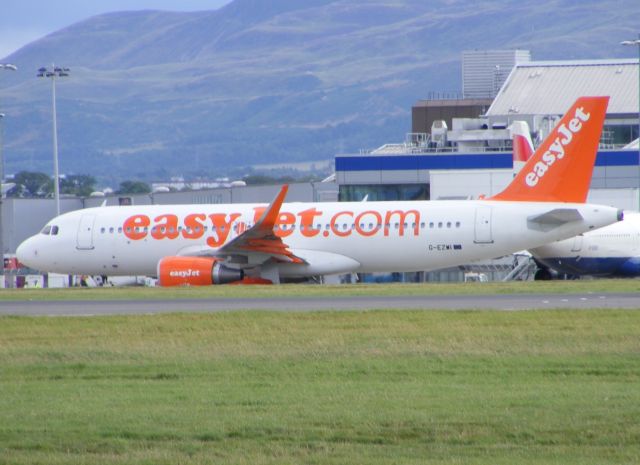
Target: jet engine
195	271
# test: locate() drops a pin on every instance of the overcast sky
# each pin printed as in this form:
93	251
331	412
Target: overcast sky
23	21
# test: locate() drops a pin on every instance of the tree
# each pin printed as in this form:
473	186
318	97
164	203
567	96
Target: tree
134	187
81	185
31	184
256	179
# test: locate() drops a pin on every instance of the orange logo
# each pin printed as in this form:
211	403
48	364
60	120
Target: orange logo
308	223
556	149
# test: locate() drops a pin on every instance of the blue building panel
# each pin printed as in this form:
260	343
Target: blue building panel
398	162
502	160
364	163
617	158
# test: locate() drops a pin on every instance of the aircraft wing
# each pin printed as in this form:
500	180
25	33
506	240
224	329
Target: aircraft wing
257	244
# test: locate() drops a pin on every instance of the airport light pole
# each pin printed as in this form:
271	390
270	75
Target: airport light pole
636	43
11	67
53	73
2	277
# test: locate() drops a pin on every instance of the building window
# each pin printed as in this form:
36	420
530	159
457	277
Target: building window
382	192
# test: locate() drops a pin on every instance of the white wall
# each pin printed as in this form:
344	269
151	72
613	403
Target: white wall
627	199
468	183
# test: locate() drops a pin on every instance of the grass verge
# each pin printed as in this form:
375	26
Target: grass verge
304	290
377	387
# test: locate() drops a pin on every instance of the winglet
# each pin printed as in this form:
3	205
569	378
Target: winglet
261	238
560	169
270	215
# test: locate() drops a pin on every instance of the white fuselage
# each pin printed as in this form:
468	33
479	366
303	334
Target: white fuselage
330	237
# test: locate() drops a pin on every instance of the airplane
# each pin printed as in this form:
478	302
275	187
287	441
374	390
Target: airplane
258	243
613	251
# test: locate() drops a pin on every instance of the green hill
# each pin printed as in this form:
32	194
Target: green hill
153	94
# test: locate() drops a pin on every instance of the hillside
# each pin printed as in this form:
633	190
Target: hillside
154	94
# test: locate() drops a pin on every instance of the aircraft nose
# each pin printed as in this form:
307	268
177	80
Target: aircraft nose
27	252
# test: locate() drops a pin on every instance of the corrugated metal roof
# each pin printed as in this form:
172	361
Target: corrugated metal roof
550	87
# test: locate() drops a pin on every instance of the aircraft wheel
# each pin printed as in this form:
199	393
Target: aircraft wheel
543	274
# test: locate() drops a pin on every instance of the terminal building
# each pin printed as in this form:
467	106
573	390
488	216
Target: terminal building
459	156
458	148
485	71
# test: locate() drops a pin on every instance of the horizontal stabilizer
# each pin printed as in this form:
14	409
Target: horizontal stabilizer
556	217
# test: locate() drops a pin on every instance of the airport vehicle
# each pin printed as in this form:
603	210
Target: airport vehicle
613	251
217	244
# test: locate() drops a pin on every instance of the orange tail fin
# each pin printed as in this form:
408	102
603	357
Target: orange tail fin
560	169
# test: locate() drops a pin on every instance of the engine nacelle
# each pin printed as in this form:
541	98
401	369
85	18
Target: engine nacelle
195	271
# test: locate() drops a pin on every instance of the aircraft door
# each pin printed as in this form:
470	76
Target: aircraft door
577	243
85	232
483	233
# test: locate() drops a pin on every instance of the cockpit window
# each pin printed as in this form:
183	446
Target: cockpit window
50	230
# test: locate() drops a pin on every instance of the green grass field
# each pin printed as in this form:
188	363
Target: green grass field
297	290
537	387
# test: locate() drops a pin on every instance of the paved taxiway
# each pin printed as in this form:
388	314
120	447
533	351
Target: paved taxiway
444	302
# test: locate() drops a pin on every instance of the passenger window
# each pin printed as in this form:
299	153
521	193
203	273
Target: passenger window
103	230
